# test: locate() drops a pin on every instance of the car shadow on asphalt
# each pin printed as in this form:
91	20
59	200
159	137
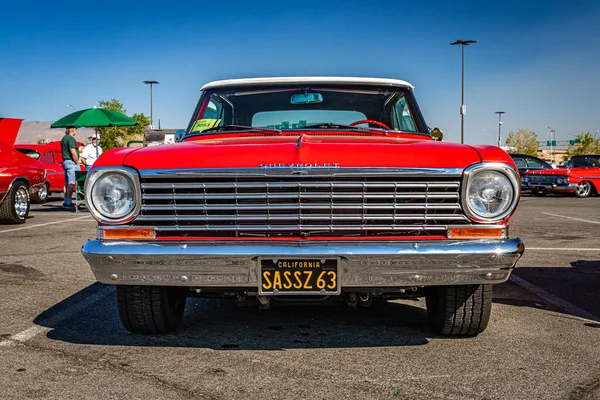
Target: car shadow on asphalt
220	324
577	285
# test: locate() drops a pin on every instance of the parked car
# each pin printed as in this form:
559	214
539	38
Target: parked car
525	162
304	188
580	176
20	176
50	155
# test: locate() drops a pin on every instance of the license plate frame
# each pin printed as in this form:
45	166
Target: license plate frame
327	264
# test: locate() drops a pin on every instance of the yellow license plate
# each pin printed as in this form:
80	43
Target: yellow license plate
298	276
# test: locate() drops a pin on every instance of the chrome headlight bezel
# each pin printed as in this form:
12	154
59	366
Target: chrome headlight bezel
94	175
513	178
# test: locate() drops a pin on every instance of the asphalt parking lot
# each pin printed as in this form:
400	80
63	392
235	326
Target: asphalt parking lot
60	337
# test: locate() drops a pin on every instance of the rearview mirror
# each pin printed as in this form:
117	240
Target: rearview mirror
179	135
436	134
306	98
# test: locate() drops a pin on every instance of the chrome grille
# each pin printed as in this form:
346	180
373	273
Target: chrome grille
297	205
541	179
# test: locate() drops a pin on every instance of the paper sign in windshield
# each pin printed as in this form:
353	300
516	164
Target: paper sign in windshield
204	124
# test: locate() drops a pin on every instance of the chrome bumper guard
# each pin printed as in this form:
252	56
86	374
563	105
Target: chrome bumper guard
362	264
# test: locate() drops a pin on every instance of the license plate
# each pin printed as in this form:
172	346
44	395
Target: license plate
298	276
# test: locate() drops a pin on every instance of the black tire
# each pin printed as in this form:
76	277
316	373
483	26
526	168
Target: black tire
150	309
459	310
41	196
15	207
584	189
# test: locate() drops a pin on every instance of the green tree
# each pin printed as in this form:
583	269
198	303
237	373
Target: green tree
588	144
119	136
42	141
523	141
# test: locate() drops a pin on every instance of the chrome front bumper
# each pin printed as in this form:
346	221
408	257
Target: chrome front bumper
362	264
552	188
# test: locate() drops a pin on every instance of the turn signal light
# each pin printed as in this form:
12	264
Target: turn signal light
477	233
128	233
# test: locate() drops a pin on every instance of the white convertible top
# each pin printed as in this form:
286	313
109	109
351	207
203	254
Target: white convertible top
308	80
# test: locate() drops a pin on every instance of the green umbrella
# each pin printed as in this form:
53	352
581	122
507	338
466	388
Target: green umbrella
94	118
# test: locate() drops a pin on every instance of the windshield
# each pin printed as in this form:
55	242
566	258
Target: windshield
583	161
308	108
31	153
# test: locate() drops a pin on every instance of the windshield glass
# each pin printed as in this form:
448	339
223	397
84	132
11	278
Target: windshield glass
583	161
313	108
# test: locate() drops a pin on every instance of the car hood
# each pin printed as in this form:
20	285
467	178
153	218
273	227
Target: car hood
303	151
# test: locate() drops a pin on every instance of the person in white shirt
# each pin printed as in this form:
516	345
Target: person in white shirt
91	152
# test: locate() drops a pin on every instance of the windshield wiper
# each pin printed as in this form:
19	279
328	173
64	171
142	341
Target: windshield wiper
329	125
242	128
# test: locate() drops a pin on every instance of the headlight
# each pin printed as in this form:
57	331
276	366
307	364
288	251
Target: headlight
112	194
559	181
490	192
525	179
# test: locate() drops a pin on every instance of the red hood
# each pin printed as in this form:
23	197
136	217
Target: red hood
345	151
556	171
9	129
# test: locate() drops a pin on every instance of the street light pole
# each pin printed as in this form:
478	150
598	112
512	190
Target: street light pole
552	136
151	83
499	125
463	107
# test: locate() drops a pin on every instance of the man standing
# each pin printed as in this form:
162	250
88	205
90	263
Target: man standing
91	152
70	156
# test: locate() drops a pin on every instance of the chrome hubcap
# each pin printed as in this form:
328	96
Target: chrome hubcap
21	202
43	192
583	188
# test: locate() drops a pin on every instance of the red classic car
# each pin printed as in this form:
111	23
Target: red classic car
579	176
310	188
50	155
20	176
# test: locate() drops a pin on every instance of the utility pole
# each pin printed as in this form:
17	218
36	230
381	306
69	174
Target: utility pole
151	83
463	107
499	126
552	136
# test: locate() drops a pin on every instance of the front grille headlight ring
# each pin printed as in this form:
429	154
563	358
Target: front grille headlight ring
490	192
113	194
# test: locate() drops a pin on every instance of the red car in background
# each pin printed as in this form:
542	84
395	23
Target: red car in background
579	176
50	155
20	176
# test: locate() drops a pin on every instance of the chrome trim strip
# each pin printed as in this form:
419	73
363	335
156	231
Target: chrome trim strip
295	195
309	217
303	207
364	264
95	174
325	172
293	185
511	173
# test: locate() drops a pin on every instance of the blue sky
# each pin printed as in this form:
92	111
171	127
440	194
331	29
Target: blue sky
539	61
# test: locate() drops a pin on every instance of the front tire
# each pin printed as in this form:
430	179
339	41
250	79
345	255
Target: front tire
583	189
15	207
41	196
150	309
459	310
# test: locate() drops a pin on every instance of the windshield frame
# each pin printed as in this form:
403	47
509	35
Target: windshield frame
420	124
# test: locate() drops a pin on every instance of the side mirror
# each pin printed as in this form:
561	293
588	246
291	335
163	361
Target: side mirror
436	134
179	135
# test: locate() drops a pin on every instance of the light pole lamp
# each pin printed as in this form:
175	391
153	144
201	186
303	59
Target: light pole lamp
463	107
552	136
151	83
499	126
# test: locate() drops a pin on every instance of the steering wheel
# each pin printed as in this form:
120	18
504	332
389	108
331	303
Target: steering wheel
371	121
